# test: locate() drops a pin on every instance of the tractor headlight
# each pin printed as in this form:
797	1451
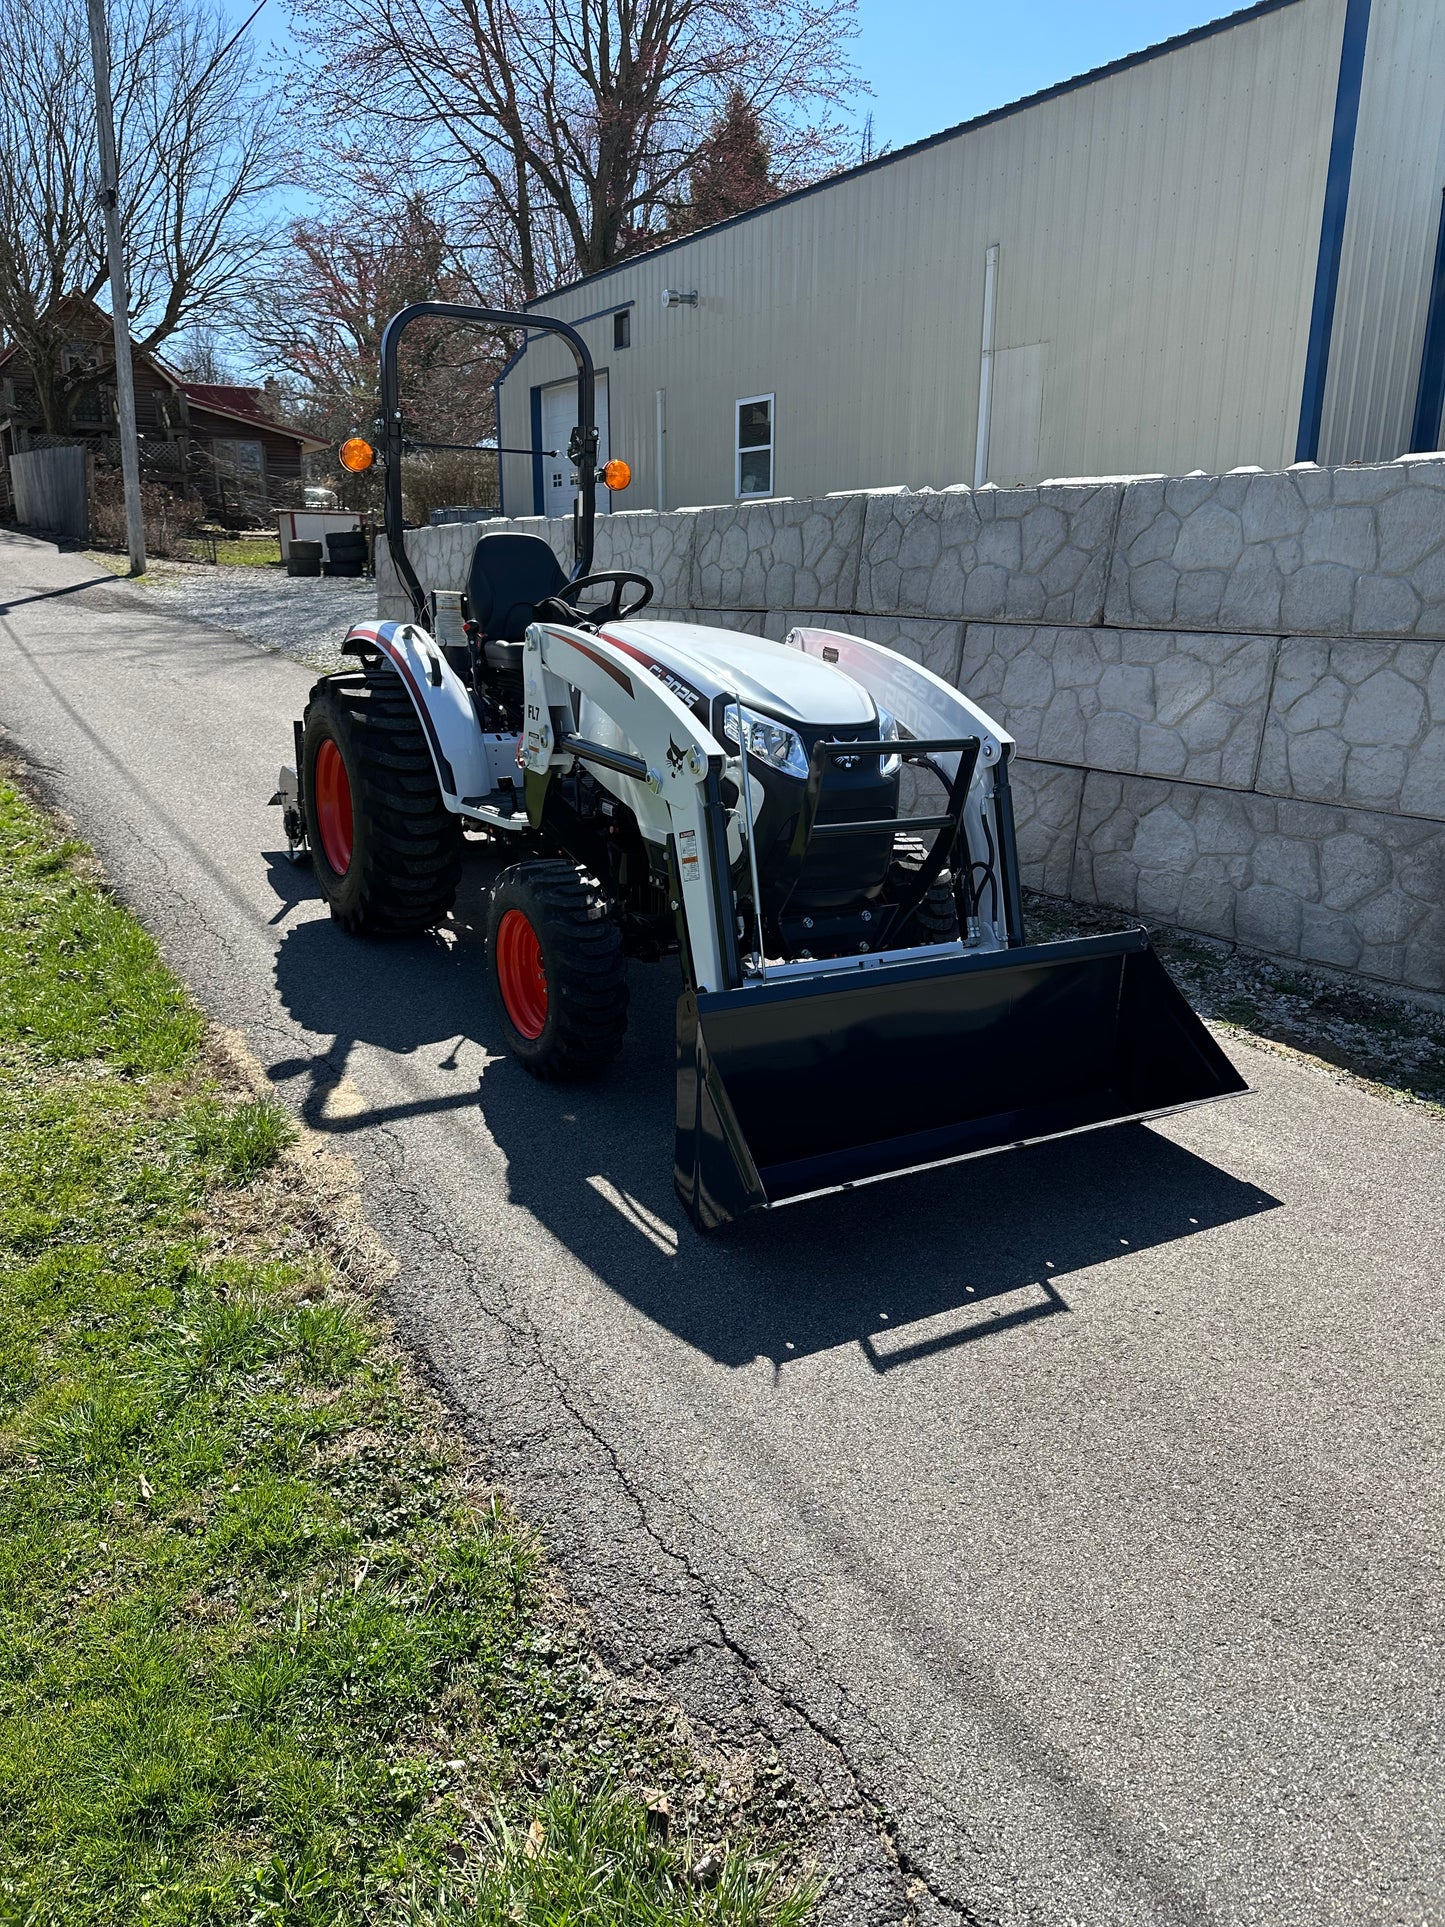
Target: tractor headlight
888	733
773	744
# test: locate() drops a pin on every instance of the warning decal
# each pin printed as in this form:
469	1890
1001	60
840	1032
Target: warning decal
687	856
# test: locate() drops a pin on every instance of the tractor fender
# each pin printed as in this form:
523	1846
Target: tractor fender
443	707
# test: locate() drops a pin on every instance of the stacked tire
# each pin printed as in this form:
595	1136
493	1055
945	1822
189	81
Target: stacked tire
304	558
346	552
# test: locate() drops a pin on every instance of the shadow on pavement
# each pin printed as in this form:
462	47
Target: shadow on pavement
905	1269
51	595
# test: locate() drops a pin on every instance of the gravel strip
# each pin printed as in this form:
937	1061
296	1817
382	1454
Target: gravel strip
1393	1044
301	616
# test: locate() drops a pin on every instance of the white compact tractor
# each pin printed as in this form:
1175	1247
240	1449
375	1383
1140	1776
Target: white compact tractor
858	996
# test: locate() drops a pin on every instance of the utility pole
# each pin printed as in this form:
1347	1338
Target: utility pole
135	533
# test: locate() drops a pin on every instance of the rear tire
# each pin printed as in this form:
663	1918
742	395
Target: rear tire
936	918
386	851
555	964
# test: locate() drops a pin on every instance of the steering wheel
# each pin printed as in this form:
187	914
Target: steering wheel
612	610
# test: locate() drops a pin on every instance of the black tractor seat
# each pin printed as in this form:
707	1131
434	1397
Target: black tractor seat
510	575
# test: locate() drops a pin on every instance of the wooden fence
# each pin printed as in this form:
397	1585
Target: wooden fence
50	489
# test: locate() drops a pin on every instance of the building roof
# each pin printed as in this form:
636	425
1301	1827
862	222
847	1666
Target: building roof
1155	52
231	400
241	404
101	322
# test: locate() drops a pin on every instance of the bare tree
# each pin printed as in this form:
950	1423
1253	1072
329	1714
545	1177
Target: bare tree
319	316
199	155
199	353
570	126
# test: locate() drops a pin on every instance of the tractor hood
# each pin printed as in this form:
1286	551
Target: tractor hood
783	682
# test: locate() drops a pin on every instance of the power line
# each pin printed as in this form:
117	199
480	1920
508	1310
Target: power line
218	58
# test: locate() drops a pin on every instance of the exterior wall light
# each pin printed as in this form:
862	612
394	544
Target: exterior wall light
675	298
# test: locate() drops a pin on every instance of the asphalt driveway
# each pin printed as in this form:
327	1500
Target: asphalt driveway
1071	1521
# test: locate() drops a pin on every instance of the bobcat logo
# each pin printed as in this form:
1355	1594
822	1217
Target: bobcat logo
675	757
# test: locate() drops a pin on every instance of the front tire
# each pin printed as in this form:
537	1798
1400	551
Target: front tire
936	918
386	851
558	975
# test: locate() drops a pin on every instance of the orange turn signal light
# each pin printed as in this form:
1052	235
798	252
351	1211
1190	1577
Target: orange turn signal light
356	455
617	475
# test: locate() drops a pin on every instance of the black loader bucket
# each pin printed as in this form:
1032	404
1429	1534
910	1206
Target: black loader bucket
811	1083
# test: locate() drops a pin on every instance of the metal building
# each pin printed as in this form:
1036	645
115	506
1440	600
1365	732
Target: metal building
1226	249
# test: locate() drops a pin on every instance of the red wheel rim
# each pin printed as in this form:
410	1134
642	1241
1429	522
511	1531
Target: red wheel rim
331	795
521	975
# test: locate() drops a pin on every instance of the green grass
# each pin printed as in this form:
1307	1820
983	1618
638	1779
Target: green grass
250	552
253	552
265	1655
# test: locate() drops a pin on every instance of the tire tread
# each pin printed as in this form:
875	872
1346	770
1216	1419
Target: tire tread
408	860
586	976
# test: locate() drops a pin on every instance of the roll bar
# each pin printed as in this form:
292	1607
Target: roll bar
582	450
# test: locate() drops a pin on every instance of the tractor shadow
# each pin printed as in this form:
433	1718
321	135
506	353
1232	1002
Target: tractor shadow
905	1270
404	997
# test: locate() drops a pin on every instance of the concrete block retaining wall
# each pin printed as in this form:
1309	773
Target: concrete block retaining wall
1228	692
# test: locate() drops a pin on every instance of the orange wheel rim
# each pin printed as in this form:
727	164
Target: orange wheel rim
521	974
331	794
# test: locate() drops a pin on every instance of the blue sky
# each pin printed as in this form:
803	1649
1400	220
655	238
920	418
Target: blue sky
933	63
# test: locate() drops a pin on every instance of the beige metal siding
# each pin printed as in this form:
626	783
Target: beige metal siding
1158	233
1390	233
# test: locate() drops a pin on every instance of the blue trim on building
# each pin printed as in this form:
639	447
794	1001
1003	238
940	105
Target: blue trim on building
1332	228
539	489
1430	394
599	314
1145	54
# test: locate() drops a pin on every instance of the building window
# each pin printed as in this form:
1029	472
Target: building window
755	446
622	329
240	471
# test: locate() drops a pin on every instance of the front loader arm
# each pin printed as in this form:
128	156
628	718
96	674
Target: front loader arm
664	748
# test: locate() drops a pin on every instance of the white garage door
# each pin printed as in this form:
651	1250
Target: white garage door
559	418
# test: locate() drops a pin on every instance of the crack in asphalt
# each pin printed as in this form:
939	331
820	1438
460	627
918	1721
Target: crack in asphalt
763	1713
859	1805
391	1151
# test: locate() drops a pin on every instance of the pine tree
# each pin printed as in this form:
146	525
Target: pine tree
733	169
